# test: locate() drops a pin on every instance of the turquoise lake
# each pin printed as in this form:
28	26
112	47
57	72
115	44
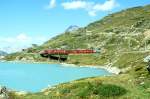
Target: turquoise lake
35	77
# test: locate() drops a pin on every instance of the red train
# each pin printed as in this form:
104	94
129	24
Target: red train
66	52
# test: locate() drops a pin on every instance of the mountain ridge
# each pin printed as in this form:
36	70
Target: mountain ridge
72	28
2	53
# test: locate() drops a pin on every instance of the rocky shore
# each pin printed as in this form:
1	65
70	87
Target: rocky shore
109	68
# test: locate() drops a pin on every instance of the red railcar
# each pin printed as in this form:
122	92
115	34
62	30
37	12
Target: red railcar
82	51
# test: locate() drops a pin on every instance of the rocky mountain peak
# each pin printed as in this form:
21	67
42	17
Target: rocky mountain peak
72	28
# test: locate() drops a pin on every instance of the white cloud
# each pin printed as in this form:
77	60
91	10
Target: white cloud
91	7
22	40
52	4
108	5
8	39
92	13
75	5
23	37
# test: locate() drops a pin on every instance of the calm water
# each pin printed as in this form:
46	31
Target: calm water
34	77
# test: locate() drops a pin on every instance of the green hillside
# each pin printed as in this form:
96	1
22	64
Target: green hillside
127	30
130	21
124	40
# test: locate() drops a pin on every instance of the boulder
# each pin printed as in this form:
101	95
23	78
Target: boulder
147	59
3	93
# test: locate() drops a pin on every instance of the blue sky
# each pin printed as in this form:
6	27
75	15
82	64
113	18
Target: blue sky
23	22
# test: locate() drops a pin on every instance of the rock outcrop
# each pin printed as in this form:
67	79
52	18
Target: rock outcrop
3	93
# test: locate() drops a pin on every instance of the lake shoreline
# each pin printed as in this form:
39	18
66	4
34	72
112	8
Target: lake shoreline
112	70
108	67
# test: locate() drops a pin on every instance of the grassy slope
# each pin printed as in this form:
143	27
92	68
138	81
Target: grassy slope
115	49
93	88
